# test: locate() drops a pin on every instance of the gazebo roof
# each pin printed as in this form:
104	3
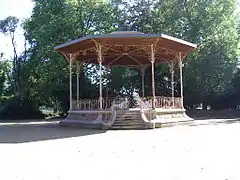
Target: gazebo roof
126	48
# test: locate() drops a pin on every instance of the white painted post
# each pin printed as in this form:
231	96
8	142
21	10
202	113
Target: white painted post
100	85
172	81
99	50
153	78
181	78
70	81
78	71
143	75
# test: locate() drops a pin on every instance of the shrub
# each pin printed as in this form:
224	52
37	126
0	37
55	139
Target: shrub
20	107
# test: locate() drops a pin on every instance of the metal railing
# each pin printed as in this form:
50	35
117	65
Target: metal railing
161	102
168	102
92	104
125	103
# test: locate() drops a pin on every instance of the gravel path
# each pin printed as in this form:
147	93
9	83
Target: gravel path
208	151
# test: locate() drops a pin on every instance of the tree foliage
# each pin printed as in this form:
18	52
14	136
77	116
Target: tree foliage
53	23
211	76
210	24
8	27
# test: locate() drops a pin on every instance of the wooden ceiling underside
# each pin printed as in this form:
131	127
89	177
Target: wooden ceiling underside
133	51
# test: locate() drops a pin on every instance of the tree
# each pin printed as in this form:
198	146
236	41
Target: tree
8	27
211	69
53	23
211	24
4	76
208	72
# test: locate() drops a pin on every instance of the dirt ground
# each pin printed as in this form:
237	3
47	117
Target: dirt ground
207	150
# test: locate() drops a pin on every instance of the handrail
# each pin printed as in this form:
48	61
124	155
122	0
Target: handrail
112	118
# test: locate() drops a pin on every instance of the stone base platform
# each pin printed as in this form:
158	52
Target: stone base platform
171	117
88	119
127	119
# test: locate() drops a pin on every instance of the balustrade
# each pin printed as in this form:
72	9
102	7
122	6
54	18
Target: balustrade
124	103
92	104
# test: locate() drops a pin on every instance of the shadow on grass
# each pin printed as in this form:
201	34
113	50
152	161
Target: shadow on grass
20	133
214	114
200	122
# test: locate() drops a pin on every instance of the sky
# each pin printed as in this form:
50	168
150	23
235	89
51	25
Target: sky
21	9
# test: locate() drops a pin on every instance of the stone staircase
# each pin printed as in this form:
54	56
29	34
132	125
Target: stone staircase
129	119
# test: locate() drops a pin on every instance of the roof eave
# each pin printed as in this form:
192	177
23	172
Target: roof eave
179	40
126	35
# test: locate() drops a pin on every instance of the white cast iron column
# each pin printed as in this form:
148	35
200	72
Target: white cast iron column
78	71
153	77
99	51
70	81
143	75
181	78
172	81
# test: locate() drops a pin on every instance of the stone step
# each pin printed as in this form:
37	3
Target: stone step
129	113
130	123
133	119
128	119
124	115
129	127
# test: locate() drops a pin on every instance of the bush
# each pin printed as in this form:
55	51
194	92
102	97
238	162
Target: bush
4	100
20	107
224	101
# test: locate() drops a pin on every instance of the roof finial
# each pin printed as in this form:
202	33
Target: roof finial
124	27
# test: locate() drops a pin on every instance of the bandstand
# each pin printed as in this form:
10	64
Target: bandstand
126	48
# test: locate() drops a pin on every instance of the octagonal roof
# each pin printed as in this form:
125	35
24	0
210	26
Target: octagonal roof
126	48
